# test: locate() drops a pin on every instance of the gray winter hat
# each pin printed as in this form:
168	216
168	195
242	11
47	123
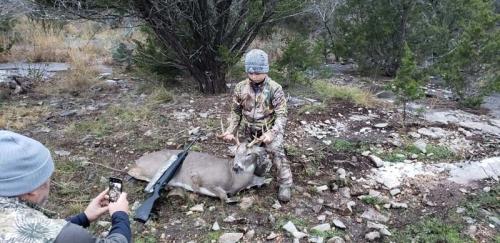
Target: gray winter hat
25	164
256	61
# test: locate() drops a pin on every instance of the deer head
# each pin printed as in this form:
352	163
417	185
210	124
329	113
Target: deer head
246	158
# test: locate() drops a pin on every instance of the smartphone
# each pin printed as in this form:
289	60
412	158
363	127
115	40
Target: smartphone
115	189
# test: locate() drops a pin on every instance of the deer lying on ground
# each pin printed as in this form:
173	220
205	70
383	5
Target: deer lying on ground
207	174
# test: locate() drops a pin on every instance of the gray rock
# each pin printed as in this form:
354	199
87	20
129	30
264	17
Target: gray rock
350	205
433	132
341	175
414	135
381	125
421	145
399	205
230	237
492	103
345	192
322	227
471	230
373	225
386	94
111	83
335	239
467	172
229	219
215	226
385	232
373	215
290	227
62	152
276	205
104	224
68	113
494	220
316	239
378	162
469	220
339	224
465	132
395	191
372	236
321	188
197	208
460	210
249	234
199	222
272	236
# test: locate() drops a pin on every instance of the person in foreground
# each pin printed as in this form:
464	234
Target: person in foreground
260	104
25	170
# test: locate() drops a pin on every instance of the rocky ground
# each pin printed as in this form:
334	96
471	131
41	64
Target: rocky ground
360	175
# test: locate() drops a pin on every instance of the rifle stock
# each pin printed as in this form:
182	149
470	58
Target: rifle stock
142	213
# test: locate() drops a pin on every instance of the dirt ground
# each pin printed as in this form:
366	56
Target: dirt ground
100	133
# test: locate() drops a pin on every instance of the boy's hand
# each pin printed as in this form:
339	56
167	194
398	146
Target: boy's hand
97	207
267	137
228	137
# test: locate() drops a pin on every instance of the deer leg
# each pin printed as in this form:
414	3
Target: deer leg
218	192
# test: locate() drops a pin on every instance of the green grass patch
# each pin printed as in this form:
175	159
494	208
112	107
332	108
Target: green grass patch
487	200
145	239
292	150
372	200
212	236
431	230
329	92
312	108
97	127
394	156
298	222
434	153
340	145
161	95
437	152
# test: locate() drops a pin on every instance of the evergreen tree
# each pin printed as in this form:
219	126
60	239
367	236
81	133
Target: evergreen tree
408	82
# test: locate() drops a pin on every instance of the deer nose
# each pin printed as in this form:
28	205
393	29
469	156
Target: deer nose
237	169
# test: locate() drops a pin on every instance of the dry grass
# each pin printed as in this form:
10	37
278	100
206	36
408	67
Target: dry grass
55	42
83	72
37	43
20	117
329	92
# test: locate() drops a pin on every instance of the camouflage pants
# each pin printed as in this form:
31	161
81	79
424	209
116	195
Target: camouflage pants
277	153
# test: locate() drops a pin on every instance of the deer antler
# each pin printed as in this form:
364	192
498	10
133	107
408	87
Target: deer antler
254	141
237	138
222	129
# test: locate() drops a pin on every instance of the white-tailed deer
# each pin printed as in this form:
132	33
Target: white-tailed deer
207	174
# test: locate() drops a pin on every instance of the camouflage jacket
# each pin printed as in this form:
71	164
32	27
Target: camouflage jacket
259	107
22	223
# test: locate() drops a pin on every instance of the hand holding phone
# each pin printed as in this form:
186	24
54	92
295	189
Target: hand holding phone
97	207
115	189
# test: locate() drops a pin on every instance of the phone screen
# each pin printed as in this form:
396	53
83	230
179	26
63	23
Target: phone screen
115	188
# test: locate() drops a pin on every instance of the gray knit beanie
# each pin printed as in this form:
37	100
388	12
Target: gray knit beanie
256	61
25	164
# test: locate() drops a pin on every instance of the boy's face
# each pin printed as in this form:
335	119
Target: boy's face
257	77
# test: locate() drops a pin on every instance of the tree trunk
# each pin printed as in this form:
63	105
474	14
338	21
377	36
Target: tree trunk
210	81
